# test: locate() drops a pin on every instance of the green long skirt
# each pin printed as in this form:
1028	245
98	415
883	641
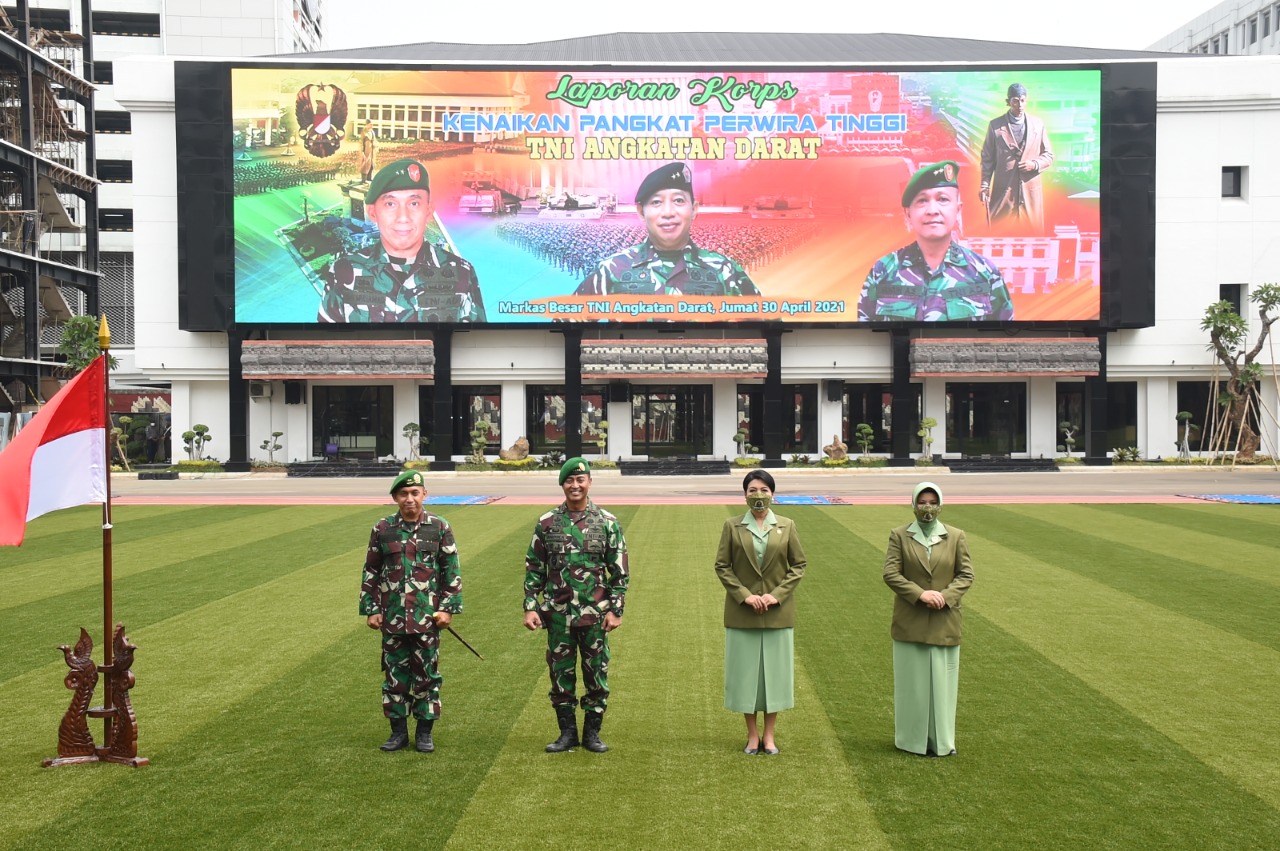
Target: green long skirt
926	678
759	670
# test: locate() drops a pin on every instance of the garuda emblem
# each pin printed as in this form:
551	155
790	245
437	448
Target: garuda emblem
321	111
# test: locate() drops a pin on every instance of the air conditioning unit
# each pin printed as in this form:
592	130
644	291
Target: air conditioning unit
259	390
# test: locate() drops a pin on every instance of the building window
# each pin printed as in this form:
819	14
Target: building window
1122	415
472	406
545	423
110	219
1266	23
1232	294
126	23
115	171
108	121
1225	48
1233	181
103	73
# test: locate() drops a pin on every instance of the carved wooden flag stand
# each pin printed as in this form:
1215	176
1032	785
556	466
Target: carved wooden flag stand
120	736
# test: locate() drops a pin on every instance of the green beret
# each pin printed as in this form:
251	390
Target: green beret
401	174
930	177
670	176
406	479
574	466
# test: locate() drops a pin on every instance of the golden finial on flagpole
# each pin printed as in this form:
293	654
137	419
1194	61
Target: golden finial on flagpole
104	334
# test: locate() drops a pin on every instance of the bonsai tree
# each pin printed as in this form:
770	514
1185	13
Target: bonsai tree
1184	433
1228	336
1068	435
602	437
118	437
864	435
927	425
195	439
741	439
271	446
413	432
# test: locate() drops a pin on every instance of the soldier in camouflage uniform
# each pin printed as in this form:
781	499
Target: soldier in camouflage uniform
668	262
577	562
934	278
411	589
401	278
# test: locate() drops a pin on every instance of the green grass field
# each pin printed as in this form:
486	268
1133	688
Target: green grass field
1120	688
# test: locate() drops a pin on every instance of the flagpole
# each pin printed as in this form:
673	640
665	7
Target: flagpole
104	343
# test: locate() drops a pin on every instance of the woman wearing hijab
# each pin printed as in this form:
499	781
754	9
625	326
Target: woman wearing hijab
927	566
760	562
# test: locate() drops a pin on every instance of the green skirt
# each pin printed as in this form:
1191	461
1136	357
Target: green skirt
759	670
926	679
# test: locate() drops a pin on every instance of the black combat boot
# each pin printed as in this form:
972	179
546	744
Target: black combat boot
422	741
591	732
399	735
568	721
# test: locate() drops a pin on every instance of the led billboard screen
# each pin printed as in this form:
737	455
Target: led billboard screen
540	195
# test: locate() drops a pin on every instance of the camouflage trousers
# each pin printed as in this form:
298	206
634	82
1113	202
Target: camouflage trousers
564	644
411	684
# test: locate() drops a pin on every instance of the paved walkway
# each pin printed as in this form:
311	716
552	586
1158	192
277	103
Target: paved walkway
861	487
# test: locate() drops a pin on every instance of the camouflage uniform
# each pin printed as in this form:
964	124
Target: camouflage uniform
411	572
370	286
965	286
579	566
643	270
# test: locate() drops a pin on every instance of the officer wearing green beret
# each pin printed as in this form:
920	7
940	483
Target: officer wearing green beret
411	589
577	565
668	261
401	278
935	278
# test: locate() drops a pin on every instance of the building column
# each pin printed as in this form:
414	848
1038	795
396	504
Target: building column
775	410
442	413
904	402
237	406
724	417
573	393
1095	411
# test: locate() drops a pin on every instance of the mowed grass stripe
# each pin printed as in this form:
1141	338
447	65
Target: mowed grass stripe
1044	760
1259	524
77	532
219	561
1162	534
1204	687
1191	586
139	543
305	744
675	776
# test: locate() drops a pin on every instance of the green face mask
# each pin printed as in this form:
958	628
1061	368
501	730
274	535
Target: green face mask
926	513
759	501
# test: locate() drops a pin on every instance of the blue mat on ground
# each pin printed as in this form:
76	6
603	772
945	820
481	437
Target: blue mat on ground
460	500
801	500
1240	498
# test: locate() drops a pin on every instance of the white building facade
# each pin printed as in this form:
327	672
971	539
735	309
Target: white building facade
1217	213
1230	28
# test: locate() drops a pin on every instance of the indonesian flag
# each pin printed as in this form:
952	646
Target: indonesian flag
58	460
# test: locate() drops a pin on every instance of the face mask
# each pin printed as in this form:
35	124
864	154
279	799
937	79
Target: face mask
759	501
927	513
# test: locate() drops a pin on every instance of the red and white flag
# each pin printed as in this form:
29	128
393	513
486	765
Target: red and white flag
58	460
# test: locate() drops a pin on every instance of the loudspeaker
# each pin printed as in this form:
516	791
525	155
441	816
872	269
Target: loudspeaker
835	390
619	391
294	392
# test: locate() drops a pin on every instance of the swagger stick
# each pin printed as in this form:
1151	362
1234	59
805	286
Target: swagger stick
464	642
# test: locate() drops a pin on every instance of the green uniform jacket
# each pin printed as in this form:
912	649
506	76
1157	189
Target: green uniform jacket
910	571
783	568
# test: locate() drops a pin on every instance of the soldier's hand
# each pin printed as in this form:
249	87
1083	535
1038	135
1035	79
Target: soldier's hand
985	197
442	619
532	621
375	621
611	621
